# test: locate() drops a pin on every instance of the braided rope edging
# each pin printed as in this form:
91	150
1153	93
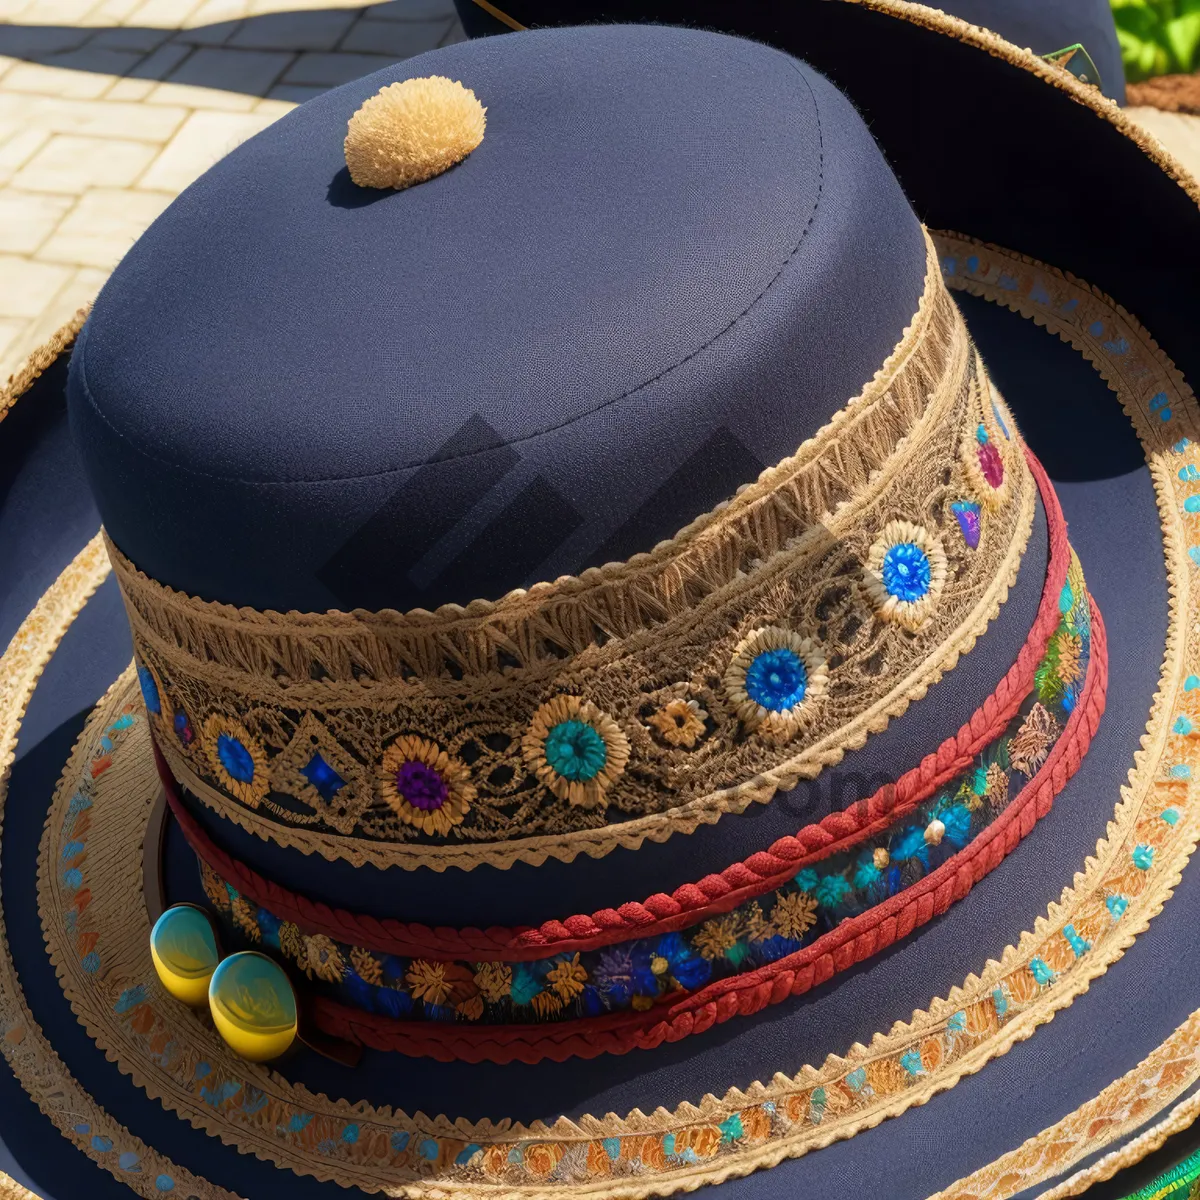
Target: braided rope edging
850	942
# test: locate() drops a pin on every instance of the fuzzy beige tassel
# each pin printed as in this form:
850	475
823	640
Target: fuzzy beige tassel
409	132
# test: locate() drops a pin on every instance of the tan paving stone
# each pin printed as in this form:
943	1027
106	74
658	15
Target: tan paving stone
18	149
163	14
56	81
185	96
204	138
411	10
60	12
27	219
9	331
275	107
105	118
130	89
29	287
80	288
74	164
102	226
1178	132
113	12
213	12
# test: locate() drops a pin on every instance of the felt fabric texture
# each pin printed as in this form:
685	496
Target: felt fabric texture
1042	27
518	375
980	144
1076	426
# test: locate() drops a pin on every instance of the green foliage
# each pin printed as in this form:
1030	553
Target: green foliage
1158	37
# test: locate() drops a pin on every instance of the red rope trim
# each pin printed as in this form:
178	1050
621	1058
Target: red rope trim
692	902
851	942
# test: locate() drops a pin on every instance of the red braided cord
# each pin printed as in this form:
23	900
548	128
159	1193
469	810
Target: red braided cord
692	902
850	942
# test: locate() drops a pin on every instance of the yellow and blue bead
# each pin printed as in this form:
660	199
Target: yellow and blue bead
253	1006
183	946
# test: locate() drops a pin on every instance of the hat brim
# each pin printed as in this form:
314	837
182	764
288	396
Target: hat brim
99	1085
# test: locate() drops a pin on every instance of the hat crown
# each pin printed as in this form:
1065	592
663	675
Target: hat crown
673	257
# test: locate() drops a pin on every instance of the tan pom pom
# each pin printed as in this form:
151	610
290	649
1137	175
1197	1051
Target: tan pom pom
412	131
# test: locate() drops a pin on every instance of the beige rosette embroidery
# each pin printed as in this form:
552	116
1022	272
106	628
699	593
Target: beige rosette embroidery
238	761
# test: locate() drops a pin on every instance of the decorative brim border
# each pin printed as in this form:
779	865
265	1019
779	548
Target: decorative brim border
1134	870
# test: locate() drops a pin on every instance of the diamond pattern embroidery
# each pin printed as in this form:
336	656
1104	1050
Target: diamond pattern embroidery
320	774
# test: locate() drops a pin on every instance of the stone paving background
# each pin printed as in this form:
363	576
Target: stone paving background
109	108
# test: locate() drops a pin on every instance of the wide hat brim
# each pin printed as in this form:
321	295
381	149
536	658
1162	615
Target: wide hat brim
998	1096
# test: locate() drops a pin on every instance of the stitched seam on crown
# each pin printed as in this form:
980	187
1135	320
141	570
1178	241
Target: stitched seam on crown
529	437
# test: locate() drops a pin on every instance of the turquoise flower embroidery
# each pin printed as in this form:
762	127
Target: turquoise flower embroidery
831	891
576	751
1040	971
806	880
1079	946
731	1128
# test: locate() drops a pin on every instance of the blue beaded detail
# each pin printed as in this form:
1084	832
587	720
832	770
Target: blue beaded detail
777	679
1000	421
906	572
576	751
149	690
323	777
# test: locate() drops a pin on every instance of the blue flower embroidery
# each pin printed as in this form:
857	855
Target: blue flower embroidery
906	572
235	758
777	679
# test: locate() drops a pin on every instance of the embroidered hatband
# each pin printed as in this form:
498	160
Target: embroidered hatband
606	994
640	699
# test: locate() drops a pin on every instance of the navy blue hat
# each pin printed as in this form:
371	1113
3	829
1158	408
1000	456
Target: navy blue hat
663	662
